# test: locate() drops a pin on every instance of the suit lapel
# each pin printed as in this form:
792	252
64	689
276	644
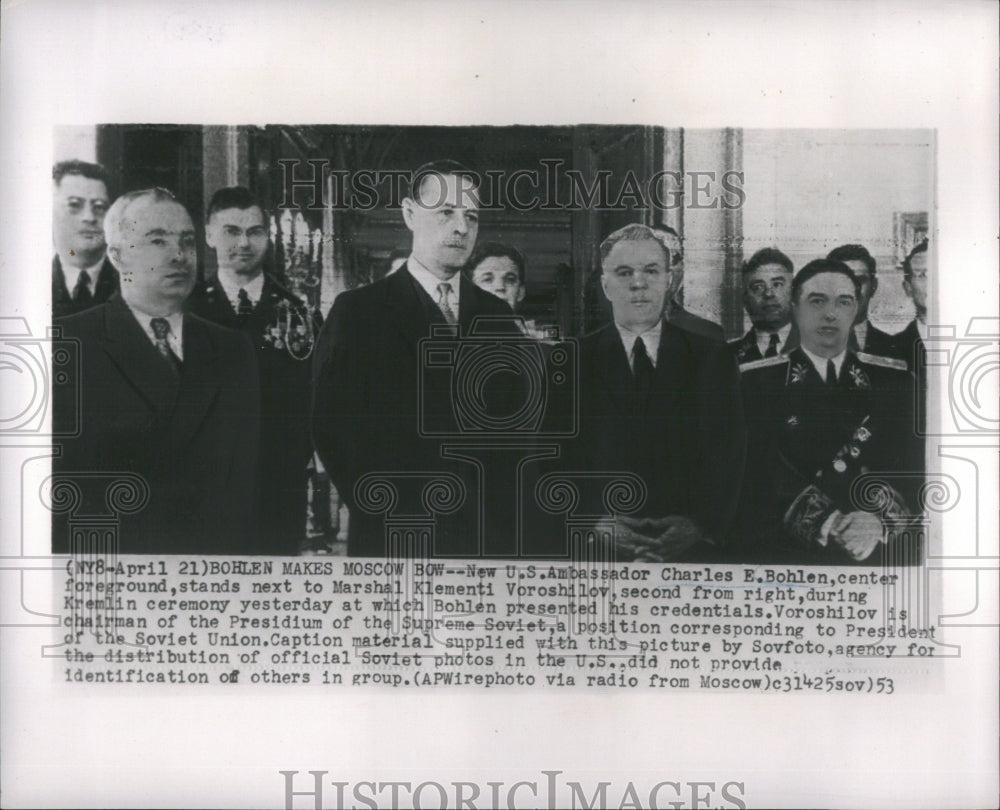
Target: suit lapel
200	380
411	310
136	357
614	369
60	293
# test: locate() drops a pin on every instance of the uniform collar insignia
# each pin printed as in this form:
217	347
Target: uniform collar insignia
797	372
857	376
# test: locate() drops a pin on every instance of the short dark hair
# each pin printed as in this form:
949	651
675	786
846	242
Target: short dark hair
93	171
488	250
819	266
637	232
232	197
439	167
853	253
920	247
768	255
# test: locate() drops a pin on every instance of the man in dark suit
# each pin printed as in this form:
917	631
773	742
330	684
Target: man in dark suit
282	328
662	403
833	468
865	336
767	291
675	311
909	344
375	411
82	276
165	396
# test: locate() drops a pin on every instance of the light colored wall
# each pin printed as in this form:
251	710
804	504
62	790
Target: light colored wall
75	143
809	191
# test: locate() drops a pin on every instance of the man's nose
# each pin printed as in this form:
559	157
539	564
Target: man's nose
89	213
243	239
461	223
638	281
769	292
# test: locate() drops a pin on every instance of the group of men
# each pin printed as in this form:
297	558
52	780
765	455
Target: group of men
188	385
423	396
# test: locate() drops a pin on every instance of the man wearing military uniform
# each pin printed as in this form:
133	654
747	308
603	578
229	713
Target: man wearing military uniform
767	287
833	466
242	296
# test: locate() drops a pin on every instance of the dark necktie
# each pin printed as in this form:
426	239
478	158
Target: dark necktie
81	292
642	369
772	345
245	305
161	329
831	373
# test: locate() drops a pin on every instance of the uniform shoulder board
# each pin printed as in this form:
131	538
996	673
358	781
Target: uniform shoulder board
885	362
767	361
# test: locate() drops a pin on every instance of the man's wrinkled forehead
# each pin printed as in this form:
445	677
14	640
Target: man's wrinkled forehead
147	215
438	190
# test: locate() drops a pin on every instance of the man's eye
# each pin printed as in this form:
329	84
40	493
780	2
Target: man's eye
100	209
472	217
158	240
74	205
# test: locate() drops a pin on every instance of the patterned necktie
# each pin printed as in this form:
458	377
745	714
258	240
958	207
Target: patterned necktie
772	345
444	302
245	305
161	329
642	368
81	292
831	373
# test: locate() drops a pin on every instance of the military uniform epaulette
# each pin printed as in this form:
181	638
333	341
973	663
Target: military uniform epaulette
767	361
885	362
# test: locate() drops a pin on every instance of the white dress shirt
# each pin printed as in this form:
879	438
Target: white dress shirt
231	285
651	337
72	274
764	338
426	279
820	362
176	321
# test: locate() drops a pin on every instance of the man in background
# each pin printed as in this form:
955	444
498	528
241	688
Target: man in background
499	269
164	395
767	298
909	344
675	311
82	275
865	336
282	329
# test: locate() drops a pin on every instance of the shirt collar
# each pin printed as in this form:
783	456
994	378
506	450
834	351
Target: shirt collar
232	284
426	279
820	362
71	273
176	321
651	337
764	337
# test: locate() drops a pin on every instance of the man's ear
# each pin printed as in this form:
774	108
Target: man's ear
520	294
408	206
874	286
604	285
908	288
210	239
